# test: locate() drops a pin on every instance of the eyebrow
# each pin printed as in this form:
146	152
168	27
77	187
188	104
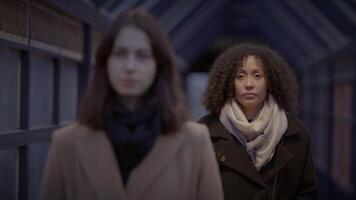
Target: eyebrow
253	71
139	48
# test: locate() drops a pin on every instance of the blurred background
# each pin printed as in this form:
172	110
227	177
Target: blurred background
47	48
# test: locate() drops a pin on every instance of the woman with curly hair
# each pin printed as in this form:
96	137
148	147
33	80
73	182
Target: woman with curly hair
262	148
132	139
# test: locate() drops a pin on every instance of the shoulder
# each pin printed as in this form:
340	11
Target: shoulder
208	119
297	133
70	133
297	142
194	130
295	125
195	134
215	127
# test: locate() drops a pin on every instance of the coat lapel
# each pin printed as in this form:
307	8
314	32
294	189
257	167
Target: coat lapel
281	154
98	161
279	160
232	154
235	156
153	164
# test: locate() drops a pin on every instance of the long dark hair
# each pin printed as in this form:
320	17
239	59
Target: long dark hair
166	87
281	79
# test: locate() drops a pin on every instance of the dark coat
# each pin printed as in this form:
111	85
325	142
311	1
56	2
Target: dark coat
289	175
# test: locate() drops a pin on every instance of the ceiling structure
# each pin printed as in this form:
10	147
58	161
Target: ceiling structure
305	32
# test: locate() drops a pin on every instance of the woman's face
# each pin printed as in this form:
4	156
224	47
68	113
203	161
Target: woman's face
131	65
250	85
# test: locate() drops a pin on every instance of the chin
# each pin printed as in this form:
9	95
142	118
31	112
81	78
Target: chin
250	104
129	93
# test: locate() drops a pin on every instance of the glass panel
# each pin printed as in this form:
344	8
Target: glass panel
8	174
323	112
342	132
343	77
41	87
68	91
196	84
37	160
9	88
306	100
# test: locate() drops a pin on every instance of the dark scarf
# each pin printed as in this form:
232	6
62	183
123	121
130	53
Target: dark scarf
131	133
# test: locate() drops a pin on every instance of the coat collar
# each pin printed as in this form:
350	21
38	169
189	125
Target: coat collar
235	155
99	163
153	164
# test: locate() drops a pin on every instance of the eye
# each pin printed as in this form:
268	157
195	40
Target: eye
258	75
240	76
119	52
143	55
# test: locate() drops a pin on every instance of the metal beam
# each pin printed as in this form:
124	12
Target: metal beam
18	138
107	4
330	56
85	66
122	7
293	28
176	13
318	23
347	10
353	135
201	17
84	12
149	4
269	28
24	123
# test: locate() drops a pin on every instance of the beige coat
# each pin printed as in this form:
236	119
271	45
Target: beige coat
81	166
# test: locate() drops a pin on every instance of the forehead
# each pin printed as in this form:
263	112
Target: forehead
132	37
251	62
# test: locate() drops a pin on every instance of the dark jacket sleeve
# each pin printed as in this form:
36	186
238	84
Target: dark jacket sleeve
206	119
307	189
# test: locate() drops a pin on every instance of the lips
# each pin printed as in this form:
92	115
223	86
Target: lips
249	95
127	82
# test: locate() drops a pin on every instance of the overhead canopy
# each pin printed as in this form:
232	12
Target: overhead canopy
303	31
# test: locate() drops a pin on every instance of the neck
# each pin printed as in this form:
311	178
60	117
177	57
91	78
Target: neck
251	113
130	103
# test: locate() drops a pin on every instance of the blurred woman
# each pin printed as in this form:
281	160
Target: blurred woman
263	150
132	139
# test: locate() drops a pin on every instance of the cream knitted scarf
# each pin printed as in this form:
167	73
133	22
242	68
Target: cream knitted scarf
261	136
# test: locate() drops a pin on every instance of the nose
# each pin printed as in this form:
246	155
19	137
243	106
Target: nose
249	84
130	64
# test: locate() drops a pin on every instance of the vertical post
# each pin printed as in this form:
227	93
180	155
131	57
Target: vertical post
56	92
29	21
24	124
23	175
330	127
85	66
353	140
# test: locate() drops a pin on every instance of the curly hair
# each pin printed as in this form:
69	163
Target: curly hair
281	79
